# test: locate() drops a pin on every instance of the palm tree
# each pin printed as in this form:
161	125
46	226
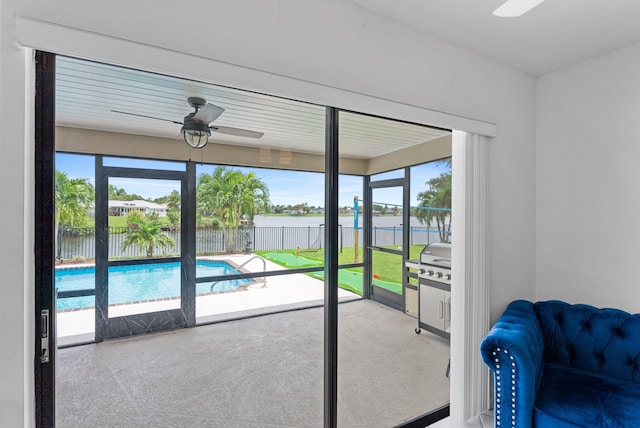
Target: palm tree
73	199
145	233
255	196
231	195
438	198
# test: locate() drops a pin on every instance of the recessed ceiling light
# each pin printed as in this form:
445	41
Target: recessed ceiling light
513	8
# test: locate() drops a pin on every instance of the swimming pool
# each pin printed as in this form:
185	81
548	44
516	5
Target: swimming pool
135	283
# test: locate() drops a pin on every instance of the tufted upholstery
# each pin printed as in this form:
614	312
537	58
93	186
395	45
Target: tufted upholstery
602	341
562	365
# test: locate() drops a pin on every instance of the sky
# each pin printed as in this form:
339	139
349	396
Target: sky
285	187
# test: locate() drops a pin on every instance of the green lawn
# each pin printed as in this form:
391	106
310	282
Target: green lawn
387	268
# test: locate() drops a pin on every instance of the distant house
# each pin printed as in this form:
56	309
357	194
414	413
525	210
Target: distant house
122	208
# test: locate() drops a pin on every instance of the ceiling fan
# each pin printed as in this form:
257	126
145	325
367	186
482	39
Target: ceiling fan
196	127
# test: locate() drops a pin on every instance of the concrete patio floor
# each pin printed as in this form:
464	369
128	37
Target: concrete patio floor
258	372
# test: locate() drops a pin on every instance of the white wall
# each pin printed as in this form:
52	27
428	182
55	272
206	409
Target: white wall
588	171
16	355
332	43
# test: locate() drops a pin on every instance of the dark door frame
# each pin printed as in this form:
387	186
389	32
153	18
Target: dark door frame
378	294
109	328
44	365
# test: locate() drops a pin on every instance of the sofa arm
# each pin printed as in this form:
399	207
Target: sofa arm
513	350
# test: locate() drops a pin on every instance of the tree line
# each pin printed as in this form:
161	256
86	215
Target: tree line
435	203
227	198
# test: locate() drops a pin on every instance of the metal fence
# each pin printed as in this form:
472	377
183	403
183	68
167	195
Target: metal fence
79	243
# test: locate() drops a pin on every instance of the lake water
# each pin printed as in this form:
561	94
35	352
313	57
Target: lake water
315	221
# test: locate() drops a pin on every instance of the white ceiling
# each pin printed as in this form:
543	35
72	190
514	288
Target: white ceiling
87	92
554	35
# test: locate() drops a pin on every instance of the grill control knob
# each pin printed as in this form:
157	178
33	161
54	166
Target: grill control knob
429	273
448	277
439	275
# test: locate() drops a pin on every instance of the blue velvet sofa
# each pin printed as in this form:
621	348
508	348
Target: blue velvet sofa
562	365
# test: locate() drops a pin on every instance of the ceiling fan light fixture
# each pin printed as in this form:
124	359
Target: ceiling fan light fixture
196	134
515	8
196	139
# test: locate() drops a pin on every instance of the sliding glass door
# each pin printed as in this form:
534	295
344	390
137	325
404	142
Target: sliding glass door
379	350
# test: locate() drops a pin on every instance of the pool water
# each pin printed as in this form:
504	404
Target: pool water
135	283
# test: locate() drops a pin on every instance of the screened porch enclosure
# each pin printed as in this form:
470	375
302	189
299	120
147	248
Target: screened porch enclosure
351	238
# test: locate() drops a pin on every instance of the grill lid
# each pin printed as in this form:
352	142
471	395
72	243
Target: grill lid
437	253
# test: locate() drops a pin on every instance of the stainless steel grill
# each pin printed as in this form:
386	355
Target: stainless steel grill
435	262
434	289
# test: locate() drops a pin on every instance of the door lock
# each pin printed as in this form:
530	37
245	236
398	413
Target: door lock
44	336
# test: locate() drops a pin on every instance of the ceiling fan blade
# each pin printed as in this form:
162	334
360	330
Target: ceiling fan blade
236	131
208	113
148	117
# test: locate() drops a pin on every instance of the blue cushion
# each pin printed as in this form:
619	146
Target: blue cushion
601	341
574	398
